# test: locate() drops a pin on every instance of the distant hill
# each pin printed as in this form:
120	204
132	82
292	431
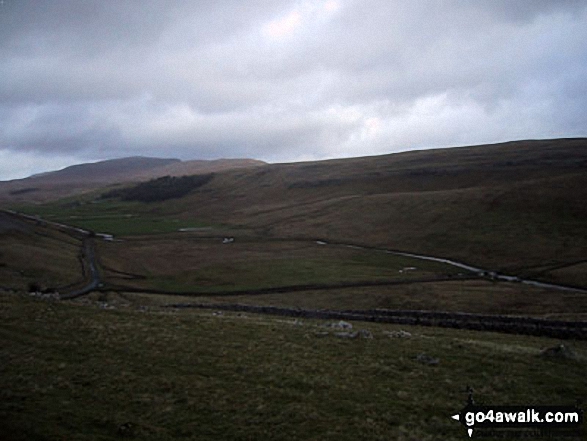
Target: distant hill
516	206
501	206
83	177
105	171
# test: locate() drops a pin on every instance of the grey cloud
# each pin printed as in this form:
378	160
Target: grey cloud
286	80
529	10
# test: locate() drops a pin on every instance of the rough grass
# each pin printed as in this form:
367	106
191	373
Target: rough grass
471	296
78	372
506	207
48	259
500	207
572	274
73	371
111	217
132	225
207	266
194	264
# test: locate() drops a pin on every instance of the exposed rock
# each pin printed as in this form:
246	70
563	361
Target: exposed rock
559	351
340	325
105	305
398	334
365	333
516	325
45	295
427	359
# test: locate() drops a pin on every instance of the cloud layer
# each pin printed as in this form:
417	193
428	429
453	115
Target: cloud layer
283	81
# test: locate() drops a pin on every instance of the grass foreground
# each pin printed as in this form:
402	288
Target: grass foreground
80	371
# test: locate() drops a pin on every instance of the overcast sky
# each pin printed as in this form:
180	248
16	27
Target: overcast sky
84	80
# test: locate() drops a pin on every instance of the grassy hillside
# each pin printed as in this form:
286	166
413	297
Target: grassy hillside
505	206
37	256
516	207
120	363
84	373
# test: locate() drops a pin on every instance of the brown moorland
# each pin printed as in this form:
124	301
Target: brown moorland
510	207
515	207
120	362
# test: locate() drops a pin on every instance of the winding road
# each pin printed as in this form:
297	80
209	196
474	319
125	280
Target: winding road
508	324
478	271
89	261
95	283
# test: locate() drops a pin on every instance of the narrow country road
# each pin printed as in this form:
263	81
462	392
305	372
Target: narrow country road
89	258
89	262
478	271
95	282
495	323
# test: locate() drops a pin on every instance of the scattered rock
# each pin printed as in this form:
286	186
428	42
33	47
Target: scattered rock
365	333
45	295
217	313
398	334
427	359
105	305
559	351
340	325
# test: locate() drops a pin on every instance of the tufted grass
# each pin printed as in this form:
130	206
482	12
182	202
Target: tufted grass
74	371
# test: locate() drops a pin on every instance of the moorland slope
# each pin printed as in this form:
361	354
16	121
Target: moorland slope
515	207
507	206
81	178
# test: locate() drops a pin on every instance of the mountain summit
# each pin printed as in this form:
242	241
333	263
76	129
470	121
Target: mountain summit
83	177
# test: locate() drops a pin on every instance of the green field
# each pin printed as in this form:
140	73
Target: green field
191	263
111	217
